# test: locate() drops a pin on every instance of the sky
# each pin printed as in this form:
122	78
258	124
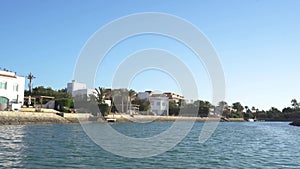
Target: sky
257	41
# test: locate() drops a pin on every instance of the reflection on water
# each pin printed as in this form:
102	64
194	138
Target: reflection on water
11	141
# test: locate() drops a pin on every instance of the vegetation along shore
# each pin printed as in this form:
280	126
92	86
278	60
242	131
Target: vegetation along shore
64	113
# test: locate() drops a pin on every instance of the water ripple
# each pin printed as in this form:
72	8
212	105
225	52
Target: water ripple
233	145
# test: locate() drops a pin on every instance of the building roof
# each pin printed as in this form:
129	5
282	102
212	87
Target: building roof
6	73
158	95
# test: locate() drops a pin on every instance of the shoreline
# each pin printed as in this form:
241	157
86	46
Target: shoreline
28	118
150	118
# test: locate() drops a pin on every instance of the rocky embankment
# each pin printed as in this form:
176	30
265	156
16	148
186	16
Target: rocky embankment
22	118
149	118
295	123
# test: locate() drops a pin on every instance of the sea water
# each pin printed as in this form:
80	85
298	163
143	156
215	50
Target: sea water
232	145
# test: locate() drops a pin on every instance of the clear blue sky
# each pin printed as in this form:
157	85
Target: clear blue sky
258	42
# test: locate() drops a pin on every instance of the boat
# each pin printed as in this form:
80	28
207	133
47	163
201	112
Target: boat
111	120
250	120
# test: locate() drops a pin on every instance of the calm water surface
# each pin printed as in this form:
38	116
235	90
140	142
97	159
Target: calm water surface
233	145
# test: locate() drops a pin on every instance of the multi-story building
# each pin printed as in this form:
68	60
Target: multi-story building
78	89
159	103
11	89
173	97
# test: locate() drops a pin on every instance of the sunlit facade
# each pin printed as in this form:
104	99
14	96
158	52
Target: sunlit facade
11	89
78	89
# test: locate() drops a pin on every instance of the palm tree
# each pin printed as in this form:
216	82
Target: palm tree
100	98
131	93
119	95
254	111
295	104
108	96
99	92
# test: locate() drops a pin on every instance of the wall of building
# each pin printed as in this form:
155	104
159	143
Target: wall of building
159	105
75	88
11	87
79	92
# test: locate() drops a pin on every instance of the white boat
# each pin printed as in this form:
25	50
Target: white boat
251	120
111	120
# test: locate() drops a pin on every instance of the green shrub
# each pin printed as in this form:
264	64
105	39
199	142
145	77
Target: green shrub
104	109
63	104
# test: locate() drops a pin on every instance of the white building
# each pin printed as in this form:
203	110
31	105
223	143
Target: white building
78	89
11	89
173	97
159	103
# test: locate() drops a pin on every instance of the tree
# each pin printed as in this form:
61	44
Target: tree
181	102
238	107
99	92
131	94
295	104
144	105
100	98
274	113
287	110
173	109
248	113
48	91
64	104
204	107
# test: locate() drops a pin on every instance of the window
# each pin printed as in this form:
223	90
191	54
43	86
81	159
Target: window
3	85
158	104
16	88
3	100
163	104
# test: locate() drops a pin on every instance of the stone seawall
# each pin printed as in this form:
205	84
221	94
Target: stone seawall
21	118
148	118
78	117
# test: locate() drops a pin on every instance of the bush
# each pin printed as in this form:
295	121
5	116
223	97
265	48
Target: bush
236	116
63	104
144	105
173	109
104	109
